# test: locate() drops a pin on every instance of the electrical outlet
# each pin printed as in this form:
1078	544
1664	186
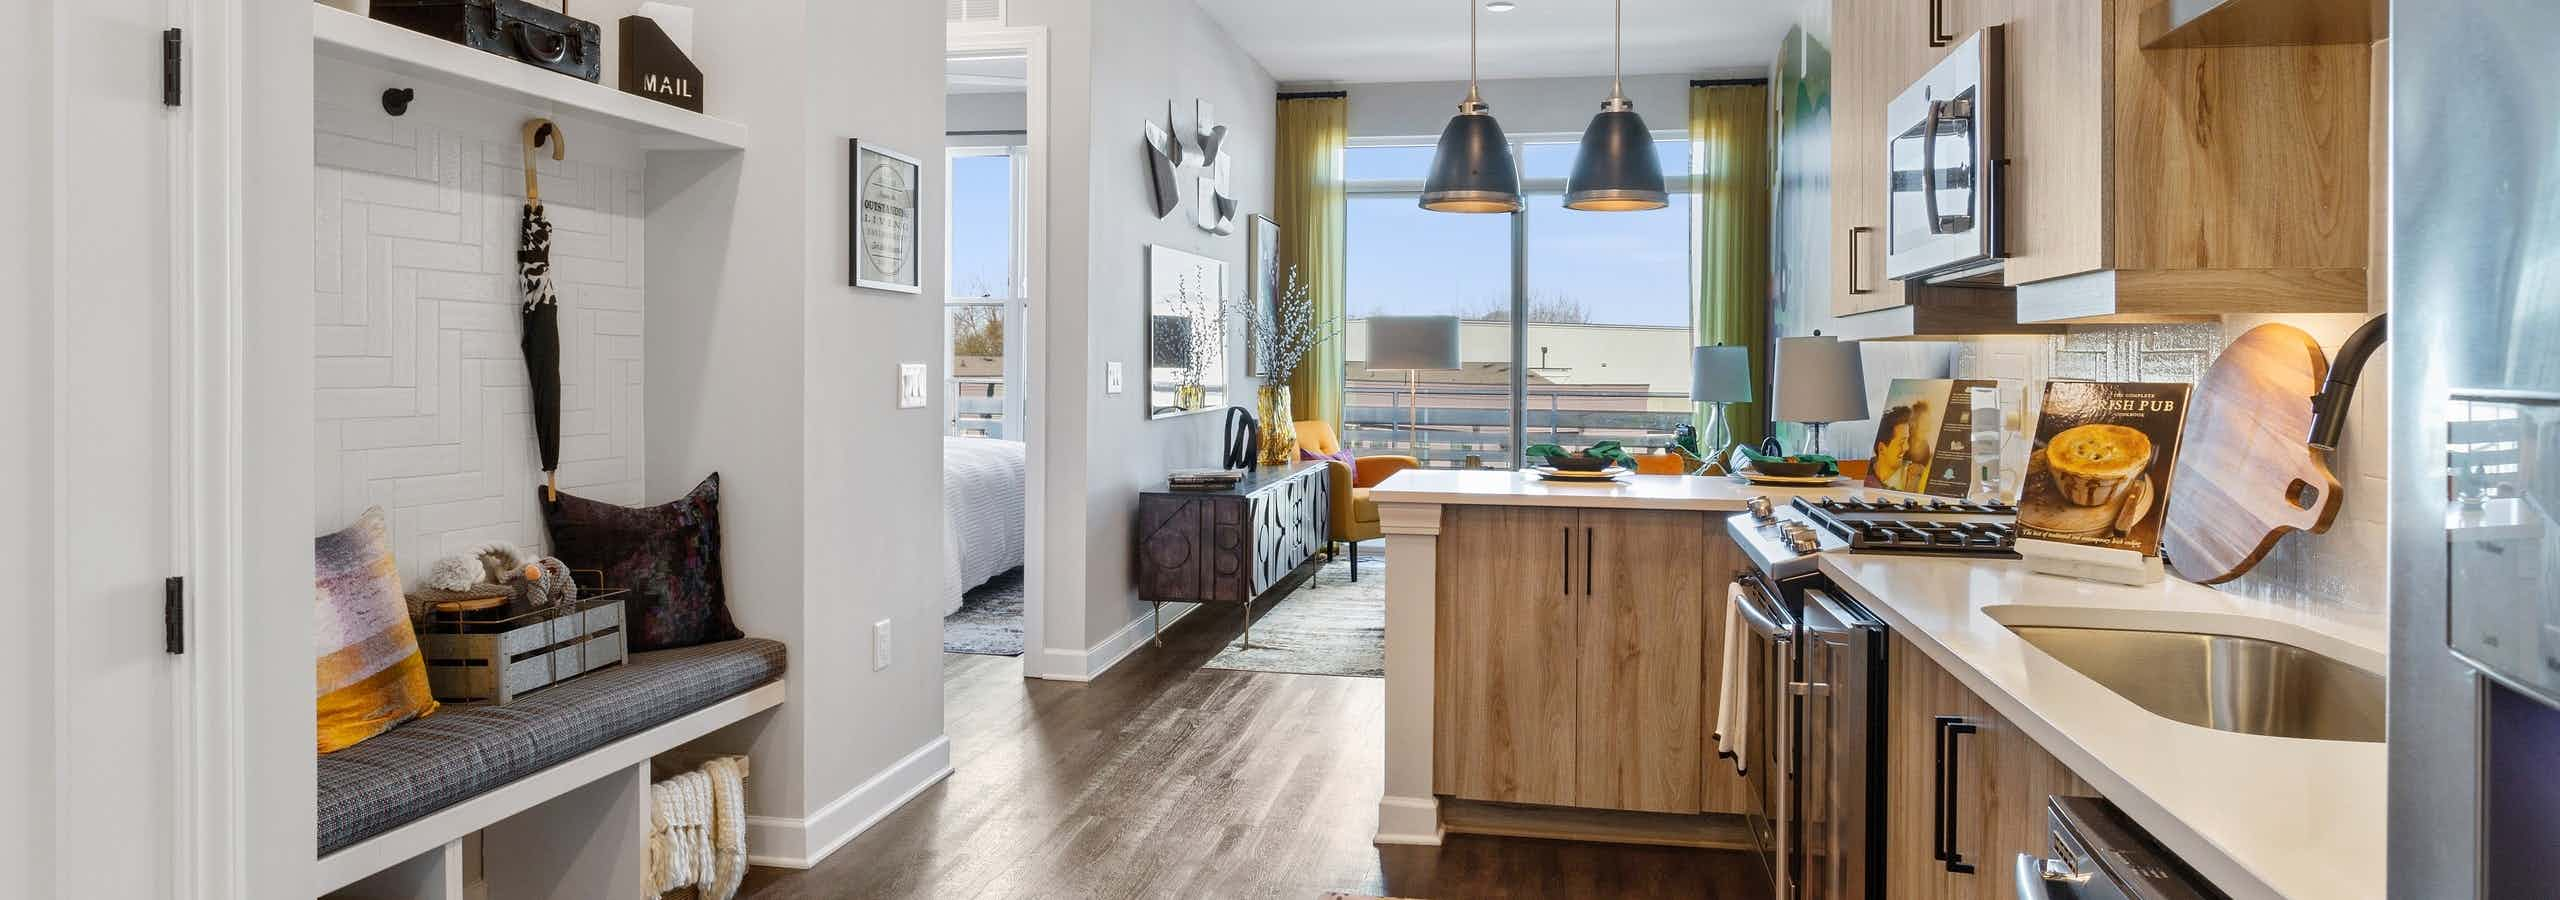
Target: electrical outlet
879	645
910	385
1111	378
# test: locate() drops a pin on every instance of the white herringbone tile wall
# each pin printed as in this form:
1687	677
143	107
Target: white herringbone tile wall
424	408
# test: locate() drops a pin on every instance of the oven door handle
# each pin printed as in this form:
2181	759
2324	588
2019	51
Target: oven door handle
1755	590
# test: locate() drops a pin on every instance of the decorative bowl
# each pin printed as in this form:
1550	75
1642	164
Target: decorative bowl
1787	469
1579	463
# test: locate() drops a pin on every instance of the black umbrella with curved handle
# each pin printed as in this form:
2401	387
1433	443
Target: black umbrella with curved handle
541	305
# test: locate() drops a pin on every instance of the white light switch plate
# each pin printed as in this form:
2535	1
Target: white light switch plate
1111	378
879	645
910	385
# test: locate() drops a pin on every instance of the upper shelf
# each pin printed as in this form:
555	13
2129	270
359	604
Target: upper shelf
339	34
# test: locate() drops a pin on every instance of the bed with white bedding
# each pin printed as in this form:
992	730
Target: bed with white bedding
983	480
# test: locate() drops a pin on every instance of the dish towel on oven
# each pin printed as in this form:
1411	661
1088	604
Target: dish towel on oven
1733	689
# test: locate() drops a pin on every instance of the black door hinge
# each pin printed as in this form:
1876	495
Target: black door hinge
173	613
173	44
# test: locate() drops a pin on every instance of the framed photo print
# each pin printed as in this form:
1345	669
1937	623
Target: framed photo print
886	188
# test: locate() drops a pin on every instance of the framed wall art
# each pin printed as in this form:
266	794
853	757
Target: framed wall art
887	185
1263	286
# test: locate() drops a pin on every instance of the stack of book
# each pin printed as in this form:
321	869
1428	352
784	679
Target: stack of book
1203	479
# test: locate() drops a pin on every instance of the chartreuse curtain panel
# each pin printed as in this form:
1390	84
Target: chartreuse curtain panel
1729	135
1310	208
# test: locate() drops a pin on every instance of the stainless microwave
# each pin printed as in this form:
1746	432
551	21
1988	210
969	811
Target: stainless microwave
1942	167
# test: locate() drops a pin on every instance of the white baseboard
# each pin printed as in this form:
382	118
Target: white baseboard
1090	663
1410	820
800	843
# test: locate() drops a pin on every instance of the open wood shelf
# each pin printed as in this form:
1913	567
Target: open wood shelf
339	34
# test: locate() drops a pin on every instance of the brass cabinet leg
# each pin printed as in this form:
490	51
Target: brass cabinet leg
1159	614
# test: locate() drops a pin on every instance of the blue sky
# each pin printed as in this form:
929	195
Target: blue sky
1625	268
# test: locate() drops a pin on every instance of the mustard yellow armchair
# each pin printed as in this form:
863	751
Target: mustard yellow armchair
1355	516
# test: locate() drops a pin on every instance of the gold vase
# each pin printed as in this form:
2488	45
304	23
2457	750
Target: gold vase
1279	435
1190	397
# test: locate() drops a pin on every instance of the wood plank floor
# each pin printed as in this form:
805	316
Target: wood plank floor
1162	779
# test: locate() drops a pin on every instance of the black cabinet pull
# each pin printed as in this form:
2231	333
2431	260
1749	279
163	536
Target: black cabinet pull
1586	562
1938	36
1854	232
1938	789
1950	779
1567	535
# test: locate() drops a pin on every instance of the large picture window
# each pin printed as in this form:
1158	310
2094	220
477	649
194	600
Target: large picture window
1577	325
984	296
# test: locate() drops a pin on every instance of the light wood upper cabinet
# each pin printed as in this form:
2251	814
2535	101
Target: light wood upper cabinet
2141	184
1572	654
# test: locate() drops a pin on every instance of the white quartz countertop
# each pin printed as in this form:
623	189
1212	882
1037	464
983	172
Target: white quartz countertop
2259	816
1499	487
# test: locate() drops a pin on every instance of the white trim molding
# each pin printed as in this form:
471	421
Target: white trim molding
1408	811
1071	665
800	843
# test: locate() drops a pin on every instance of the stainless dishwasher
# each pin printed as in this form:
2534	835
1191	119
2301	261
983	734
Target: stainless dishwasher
2096	853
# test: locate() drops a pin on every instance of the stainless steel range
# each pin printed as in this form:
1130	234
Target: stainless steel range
1809	665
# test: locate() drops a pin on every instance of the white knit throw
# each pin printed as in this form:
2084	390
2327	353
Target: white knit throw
697	831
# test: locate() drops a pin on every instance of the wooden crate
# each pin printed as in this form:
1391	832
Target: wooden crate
500	657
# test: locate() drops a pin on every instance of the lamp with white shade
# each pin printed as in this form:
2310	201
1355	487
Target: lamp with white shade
1821	380
1718	376
1414	344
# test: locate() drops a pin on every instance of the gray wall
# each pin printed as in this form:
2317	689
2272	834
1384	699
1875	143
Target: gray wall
764	366
1101	221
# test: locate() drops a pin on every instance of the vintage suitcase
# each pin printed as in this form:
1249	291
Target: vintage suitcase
531	34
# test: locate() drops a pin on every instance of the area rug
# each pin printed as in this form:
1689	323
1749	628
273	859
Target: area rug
989	622
1330	625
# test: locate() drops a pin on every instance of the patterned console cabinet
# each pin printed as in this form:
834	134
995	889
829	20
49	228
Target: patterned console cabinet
1232	546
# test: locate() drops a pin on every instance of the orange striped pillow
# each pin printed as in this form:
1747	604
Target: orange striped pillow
371	675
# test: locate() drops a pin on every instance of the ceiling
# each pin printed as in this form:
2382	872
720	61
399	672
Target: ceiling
1353	41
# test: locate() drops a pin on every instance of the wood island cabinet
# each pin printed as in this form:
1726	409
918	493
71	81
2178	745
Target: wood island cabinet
1951	759
1573	651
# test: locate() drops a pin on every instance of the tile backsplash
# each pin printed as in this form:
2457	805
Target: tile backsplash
2342	569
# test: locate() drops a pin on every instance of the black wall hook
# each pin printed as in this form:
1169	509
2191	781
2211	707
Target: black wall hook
396	100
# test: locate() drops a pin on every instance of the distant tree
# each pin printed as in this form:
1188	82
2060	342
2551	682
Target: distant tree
1544	308
977	331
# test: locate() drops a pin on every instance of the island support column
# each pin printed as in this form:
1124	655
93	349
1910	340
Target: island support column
1408	811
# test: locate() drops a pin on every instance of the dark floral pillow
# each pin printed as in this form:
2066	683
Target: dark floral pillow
668	555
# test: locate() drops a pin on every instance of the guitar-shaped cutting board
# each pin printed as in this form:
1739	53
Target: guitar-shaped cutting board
2247	473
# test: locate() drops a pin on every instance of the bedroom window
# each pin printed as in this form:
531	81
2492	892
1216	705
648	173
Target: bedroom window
1577	325
984	294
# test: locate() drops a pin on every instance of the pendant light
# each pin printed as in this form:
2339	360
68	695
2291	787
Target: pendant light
1472	170
1617	169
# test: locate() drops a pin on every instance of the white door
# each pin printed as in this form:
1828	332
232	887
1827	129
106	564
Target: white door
87	512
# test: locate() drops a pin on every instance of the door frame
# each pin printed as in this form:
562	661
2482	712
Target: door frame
1039	604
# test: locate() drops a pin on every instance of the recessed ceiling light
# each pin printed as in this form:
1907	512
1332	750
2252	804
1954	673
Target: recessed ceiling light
1501	6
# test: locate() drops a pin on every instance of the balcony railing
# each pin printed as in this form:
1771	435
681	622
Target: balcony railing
1457	422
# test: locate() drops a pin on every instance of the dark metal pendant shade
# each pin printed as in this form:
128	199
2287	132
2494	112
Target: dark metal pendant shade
1472	171
1617	169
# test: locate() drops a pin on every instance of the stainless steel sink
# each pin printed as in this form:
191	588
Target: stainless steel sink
2219	681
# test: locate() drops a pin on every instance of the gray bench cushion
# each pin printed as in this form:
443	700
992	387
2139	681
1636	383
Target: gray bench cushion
463	751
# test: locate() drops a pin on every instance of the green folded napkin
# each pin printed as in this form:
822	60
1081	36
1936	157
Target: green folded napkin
1830	464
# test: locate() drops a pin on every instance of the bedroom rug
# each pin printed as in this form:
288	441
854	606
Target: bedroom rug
989	622
1330	625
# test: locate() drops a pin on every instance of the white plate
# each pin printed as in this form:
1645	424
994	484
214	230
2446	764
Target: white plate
1554	474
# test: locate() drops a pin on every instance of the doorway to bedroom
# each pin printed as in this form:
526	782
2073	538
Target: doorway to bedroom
987	443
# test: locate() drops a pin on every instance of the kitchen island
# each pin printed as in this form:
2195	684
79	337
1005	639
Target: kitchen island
2259	816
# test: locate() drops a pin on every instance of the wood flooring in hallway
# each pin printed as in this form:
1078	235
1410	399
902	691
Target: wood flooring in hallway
1165	780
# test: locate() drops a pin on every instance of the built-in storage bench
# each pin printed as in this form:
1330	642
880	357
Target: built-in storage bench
549	781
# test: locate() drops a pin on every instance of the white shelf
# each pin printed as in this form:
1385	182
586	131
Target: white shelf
338	34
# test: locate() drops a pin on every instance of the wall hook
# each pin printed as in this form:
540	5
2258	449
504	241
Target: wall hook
396	100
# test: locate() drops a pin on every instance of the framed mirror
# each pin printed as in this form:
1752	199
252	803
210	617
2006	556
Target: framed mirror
1186	333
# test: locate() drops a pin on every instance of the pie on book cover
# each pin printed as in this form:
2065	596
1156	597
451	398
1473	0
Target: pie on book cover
2099	473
